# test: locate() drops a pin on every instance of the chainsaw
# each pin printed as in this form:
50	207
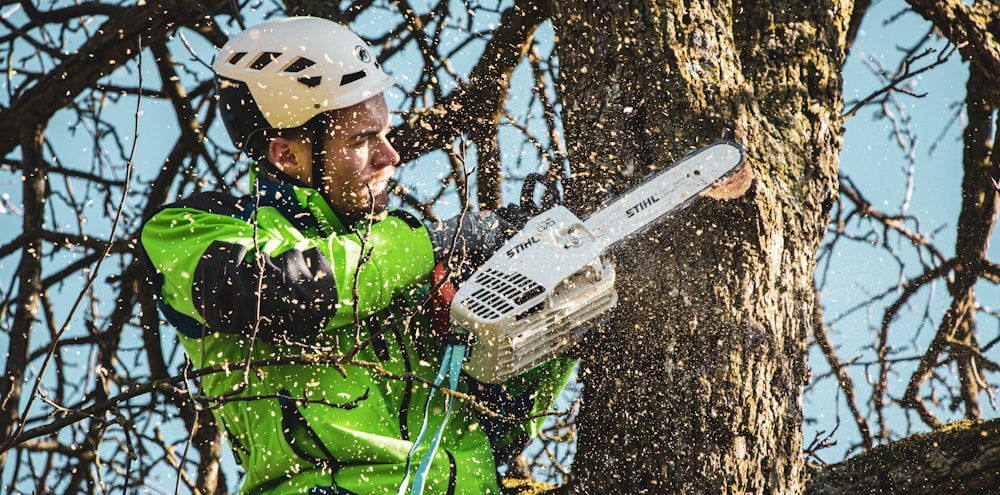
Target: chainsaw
546	287
543	289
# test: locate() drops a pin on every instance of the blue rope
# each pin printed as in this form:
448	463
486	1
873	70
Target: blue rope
451	367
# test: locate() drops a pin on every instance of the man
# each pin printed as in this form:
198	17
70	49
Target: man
312	264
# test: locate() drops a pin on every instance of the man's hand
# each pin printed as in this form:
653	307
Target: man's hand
463	243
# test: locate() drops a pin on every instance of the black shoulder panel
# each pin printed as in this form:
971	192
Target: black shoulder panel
283	298
406	217
215	202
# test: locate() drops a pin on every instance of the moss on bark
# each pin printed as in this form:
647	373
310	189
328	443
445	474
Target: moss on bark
961	458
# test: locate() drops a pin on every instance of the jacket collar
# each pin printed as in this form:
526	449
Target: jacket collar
303	207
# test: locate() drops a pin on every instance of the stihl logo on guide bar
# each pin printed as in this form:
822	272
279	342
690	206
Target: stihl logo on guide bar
646	203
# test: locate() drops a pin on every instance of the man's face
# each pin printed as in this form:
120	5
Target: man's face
358	160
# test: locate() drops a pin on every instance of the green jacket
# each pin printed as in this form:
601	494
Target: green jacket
278	276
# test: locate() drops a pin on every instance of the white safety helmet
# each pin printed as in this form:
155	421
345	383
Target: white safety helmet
282	73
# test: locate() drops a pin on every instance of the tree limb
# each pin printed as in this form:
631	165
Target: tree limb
103	52
481	99
959	459
973	28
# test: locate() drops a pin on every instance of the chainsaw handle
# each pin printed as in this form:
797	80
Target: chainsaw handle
518	214
550	198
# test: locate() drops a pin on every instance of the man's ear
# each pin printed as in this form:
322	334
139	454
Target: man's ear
293	157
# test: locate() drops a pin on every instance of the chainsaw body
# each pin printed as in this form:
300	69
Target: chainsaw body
528	301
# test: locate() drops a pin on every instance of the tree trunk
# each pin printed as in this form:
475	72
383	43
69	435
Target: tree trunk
694	385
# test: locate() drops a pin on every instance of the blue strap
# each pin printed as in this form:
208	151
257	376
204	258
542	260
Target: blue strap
451	367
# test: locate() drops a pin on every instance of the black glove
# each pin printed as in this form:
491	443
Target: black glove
518	215
463	243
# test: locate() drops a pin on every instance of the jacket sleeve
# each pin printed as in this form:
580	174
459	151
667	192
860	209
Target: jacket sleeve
272	281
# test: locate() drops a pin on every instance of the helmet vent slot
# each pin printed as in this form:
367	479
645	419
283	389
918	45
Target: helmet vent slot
264	59
311	82
349	78
236	57
299	64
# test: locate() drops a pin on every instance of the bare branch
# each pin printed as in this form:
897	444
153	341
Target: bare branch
973	28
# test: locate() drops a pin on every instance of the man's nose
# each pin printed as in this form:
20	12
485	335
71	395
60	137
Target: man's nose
385	154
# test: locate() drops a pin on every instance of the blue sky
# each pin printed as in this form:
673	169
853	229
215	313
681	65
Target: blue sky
929	172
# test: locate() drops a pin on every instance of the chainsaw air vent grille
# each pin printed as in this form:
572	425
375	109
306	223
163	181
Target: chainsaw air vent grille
499	293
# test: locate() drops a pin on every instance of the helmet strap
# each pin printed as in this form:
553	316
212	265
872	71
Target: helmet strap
279	174
318	161
317	127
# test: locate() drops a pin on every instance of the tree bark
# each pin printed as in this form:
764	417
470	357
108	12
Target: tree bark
962	458
694	386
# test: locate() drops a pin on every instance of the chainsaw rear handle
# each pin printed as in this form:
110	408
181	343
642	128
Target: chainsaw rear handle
518	214
550	198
